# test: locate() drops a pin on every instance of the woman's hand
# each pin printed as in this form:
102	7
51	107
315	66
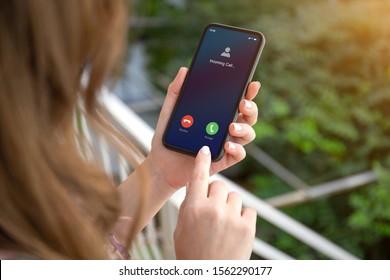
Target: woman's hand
212	223
174	168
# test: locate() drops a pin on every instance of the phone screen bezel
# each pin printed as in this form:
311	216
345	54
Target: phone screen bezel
234	114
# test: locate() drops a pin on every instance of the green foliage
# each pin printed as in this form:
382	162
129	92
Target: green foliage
321	215
329	62
275	186
372	209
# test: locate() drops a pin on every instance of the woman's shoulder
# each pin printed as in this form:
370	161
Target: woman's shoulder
15	255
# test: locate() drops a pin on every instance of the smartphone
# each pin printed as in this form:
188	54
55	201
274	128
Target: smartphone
220	72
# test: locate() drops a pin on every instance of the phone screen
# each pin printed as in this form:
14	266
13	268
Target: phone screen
217	80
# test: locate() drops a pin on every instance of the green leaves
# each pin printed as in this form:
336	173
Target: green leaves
326	74
372	209
305	136
264	130
325	113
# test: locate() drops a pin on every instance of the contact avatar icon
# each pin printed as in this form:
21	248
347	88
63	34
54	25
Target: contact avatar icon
226	52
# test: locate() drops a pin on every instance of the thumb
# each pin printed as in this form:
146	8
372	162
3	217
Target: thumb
171	98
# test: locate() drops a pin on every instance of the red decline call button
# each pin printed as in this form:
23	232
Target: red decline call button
187	121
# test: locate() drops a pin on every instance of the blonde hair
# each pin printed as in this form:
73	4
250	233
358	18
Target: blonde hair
54	204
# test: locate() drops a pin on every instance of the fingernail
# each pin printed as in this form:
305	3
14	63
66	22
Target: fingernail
248	105
237	127
205	150
258	83
232	146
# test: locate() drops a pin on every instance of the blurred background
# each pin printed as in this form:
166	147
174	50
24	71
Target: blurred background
323	136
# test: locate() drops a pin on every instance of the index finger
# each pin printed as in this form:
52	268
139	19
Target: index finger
172	95
198	187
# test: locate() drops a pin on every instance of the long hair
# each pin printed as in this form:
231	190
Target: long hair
54	204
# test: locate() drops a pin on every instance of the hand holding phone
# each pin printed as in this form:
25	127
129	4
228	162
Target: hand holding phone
223	66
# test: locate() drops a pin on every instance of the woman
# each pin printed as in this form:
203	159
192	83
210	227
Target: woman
56	205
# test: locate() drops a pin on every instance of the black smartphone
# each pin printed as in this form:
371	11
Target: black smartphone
220	72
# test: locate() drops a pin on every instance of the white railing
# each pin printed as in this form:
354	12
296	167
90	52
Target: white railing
157	242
